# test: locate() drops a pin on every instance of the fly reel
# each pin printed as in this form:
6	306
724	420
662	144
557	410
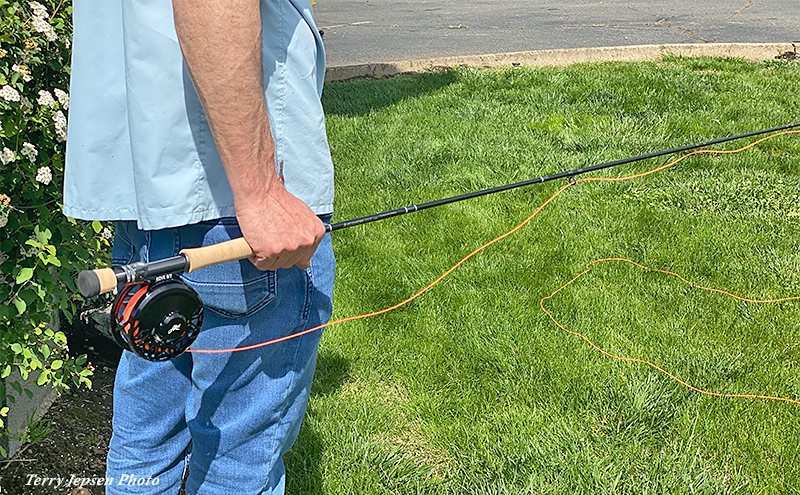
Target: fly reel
156	320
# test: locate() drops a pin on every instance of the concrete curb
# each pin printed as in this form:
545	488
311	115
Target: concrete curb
24	410
750	51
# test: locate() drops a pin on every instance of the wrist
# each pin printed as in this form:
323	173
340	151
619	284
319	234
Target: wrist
252	176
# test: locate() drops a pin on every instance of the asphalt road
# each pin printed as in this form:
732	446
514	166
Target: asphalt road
369	31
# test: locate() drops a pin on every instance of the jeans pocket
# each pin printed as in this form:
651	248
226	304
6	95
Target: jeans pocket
231	289
122	252
236	289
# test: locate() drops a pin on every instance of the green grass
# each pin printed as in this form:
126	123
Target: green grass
471	388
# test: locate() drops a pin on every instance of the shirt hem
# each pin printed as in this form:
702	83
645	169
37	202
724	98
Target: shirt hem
168	221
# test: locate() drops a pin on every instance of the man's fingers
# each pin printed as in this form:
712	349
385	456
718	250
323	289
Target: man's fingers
287	237
300	257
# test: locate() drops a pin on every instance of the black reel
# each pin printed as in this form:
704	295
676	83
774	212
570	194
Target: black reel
156	320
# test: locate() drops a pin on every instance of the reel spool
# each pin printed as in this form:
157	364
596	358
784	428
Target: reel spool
156	320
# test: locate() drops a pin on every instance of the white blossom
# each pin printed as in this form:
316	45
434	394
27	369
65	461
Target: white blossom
26	104
29	151
61	125
24	71
44	175
106	233
7	156
41	25
9	94
3	222
39	10
65	40
3	52
63	98
46	99
33	251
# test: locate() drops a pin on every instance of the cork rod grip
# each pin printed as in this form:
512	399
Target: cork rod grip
202	257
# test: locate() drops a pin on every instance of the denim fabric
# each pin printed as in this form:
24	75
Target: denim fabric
238	413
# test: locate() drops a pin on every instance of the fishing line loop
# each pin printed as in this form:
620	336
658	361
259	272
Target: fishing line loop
571	182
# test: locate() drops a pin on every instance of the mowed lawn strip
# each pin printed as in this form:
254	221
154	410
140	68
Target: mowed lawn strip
471	388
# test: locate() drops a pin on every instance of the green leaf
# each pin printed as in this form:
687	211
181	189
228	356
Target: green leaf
42	378
20	304
86	373
97	226
39	291
27	295
24	275
16	386
45	350
28	392
6	371
10	127
55	365
81	360
43	235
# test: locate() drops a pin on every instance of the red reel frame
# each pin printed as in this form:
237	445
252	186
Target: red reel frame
156	320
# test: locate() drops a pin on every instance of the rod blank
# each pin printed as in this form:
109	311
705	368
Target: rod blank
545	178
94	282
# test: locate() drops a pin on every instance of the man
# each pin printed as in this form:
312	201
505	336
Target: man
186	120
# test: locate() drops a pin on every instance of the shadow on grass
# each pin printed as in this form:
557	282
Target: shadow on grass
360	97
303	460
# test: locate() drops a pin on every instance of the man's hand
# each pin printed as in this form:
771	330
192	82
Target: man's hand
221	44
281	230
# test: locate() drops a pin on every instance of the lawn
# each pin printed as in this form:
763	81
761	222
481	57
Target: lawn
472	388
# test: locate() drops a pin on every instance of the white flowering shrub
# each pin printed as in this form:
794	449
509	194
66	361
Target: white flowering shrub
41	251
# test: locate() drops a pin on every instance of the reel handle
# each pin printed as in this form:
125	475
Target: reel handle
233	250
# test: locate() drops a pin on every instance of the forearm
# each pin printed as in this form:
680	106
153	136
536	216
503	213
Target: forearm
221	44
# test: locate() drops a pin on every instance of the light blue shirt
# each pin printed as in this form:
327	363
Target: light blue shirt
139	146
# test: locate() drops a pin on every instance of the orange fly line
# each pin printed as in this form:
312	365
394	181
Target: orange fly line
541	303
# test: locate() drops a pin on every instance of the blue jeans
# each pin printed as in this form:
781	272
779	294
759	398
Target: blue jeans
232	415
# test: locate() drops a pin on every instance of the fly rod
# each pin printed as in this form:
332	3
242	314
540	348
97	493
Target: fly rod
102	280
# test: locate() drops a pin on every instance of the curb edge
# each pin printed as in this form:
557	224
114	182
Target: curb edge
561	56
